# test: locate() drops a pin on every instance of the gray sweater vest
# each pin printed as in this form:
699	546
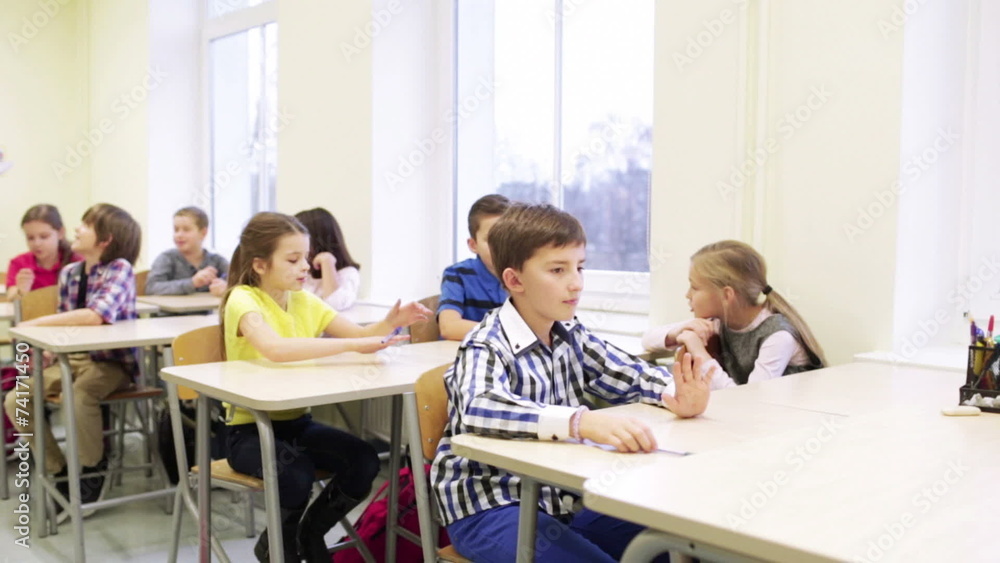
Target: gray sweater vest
740	349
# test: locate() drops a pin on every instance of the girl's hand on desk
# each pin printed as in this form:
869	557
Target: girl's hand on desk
406	315
691	387
372	344
704	328
625	434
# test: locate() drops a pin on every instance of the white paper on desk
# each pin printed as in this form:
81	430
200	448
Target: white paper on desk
610	448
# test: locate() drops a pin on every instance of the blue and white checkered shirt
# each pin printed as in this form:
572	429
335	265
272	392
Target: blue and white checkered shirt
506	383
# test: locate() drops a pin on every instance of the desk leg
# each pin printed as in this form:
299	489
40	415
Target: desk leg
394	444
428	527
204	481
275	543
527	522
35	487
72	457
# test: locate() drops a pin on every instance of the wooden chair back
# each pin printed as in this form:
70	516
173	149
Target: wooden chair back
427	331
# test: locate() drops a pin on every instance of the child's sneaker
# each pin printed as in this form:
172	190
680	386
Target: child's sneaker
91	489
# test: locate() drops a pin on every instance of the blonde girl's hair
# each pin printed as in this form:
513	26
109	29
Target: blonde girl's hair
731	263
259	240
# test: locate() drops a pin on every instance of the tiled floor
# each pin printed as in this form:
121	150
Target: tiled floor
141	532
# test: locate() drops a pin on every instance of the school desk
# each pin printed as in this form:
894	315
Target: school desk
860	388
954	357
261	386
7	310
183	304
729	419
897	485
64	340
365	313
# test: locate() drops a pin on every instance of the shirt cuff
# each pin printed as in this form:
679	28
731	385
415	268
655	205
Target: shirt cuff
553	422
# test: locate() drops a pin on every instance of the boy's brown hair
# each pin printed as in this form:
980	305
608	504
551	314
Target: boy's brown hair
487	206
199	217
524	228
112	222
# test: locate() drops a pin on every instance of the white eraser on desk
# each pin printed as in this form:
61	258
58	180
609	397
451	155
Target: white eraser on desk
963	410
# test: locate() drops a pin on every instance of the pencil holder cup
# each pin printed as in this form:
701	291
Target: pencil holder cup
982	377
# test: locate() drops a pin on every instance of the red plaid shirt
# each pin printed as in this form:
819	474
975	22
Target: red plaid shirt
110	294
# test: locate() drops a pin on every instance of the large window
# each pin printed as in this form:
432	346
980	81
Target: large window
570	85
242	69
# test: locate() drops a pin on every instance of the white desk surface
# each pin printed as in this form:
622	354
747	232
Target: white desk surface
940	357
859	388
929	479
729	420
158	331
269	386
7	310
194	303
365	313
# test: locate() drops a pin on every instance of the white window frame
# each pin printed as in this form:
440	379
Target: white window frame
606	290
229	23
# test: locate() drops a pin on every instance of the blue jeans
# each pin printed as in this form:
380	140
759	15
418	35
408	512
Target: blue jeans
301	447
491	535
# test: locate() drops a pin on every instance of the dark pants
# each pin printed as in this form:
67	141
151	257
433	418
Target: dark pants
303	446
589	536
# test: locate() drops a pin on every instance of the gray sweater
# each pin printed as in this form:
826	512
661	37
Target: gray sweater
171	273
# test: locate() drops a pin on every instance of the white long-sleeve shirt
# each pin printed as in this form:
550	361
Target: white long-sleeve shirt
348	285
777	352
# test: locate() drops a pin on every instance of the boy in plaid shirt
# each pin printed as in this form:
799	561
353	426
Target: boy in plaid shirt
99	290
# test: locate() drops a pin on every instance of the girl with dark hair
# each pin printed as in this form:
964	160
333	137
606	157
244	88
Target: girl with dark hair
333	274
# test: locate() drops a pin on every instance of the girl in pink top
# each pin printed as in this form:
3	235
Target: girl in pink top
48	252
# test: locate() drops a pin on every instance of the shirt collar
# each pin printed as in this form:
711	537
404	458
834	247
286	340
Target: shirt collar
520	335
481	268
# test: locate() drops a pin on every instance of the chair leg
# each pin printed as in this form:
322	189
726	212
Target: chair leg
248	514
178	513
356	539
120	411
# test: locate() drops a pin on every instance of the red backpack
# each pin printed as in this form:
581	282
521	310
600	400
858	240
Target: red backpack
371	526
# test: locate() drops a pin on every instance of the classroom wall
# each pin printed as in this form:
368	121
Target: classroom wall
121	80
44	113
325	149
822	167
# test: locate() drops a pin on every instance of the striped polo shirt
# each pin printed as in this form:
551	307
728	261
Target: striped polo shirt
471	289
505	383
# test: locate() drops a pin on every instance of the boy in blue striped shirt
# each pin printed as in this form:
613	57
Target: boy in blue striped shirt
523	373
470	288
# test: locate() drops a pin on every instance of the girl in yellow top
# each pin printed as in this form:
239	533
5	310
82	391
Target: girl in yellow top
265	314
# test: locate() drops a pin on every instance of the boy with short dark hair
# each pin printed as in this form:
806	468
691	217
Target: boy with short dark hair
471	288
99	290
523	373
190	267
